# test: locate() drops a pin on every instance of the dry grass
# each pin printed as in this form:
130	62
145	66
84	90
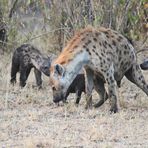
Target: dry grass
29	119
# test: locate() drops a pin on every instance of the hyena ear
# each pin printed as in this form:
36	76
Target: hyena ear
59	69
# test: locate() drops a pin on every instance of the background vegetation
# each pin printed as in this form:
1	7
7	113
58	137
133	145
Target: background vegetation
28	117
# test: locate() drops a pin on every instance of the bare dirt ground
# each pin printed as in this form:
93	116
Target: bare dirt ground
29	119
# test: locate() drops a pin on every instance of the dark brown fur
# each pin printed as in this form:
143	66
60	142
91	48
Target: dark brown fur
24	59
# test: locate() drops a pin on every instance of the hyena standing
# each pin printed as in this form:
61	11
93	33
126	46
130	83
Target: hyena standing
78	87
26	57
103	53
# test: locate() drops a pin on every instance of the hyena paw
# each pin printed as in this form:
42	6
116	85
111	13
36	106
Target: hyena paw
114	109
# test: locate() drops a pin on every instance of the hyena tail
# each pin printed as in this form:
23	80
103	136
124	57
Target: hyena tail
134	74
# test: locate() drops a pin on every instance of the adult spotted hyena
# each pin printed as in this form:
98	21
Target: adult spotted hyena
78	87
24	59
103	53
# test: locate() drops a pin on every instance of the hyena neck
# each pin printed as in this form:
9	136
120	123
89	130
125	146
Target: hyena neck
74	66
37	61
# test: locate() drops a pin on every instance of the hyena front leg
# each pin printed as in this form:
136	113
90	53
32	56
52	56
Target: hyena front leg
109	76
88	87
135	75
38	75
78	96
65	99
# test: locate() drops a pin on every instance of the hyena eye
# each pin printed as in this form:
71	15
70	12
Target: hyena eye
46	68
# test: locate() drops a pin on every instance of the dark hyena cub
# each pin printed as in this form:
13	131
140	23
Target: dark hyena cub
26	57
77	86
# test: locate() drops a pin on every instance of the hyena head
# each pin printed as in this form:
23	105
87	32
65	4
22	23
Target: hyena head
45	66
58	82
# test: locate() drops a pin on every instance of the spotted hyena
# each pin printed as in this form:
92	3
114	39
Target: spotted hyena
104	53
26	57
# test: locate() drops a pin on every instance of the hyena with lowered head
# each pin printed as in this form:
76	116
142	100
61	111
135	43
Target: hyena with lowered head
102	52
78	87
24	59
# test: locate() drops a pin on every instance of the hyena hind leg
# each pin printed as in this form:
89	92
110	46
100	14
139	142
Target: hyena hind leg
112	90
134	74
14	70
24	73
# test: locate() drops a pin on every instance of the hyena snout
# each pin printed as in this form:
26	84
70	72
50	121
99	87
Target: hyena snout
57	96
45	66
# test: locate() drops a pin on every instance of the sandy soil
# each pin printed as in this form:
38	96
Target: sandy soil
29	119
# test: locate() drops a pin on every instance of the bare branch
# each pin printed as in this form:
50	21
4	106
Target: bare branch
13	9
